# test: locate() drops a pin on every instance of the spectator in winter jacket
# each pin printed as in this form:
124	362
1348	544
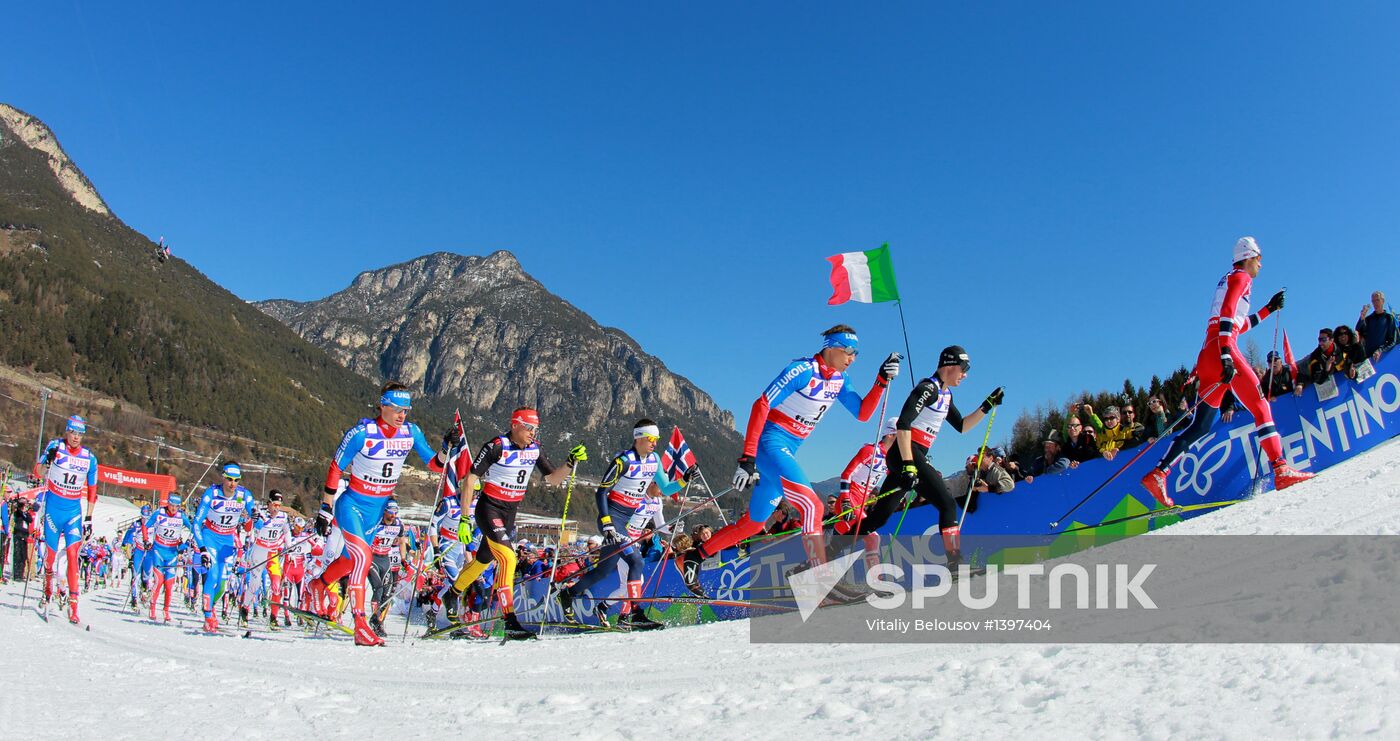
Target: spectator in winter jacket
1156	419
1051	461
1113	436
1350	353
1137	432
1321	361
4	536
1376	327
1277	379
1228	406
990	477
21	526
1081	442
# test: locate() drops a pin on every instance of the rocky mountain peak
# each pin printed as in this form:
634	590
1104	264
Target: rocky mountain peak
32	133
481	334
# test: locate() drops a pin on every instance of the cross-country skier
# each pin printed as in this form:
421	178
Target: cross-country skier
167	527
633	474
504	466
294	567
138	539
928	406
1221	367
224	508
372	453
861	477
69	471
779	421
388	547
272	532
449	526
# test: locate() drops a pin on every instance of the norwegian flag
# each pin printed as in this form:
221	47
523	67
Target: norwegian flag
459	463
678	458
1288	357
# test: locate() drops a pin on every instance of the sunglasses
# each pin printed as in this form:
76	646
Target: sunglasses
530	427
652	438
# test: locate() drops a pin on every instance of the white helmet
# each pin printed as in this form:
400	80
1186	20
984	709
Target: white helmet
1246	248
887	427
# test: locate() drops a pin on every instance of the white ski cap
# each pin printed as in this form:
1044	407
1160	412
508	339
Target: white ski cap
888	426
1246	248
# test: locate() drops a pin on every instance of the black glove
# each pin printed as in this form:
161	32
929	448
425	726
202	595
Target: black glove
610	536
908	477
50	455
1227	369
206	558
890	368
451	439
744	473
87	527
1275	302
323	521
993	399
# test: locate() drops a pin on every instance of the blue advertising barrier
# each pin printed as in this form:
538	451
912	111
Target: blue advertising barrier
1016	527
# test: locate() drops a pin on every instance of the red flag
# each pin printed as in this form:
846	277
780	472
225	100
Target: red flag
678	458
1288	357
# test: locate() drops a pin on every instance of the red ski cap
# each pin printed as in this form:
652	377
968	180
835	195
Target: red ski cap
525	417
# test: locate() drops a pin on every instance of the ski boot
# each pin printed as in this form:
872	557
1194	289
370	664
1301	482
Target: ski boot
211	623
166	614
450	598
1286	476
638	619
153	611
515	631
273	625
364	634
242	617
1155	482
690	571
286	620
73	611
377	626
565	598
600	611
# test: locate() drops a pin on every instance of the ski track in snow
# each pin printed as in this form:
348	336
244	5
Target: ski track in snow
128	678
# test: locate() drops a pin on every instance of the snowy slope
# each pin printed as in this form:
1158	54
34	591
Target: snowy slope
125	678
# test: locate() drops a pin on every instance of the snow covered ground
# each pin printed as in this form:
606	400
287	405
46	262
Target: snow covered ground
126	678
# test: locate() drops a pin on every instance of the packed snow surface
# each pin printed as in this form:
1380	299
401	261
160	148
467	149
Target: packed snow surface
126	678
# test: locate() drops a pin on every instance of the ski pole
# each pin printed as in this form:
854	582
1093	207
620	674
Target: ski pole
972	480
633	541
441	487
1170	425
870	474
563	520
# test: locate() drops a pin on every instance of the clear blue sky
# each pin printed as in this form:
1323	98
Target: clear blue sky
1061	184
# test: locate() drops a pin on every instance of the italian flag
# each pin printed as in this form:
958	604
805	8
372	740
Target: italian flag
867	277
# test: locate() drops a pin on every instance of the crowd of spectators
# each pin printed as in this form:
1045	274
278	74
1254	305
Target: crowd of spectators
1086	434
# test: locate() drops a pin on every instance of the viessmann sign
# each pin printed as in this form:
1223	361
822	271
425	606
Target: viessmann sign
135	479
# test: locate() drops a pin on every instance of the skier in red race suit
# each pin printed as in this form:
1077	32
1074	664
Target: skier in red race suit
1221	367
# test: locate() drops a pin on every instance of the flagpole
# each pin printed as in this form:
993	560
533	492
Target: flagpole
908	356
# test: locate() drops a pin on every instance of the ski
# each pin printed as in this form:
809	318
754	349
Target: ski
439	632
308	615
691	600
1154	514
581	628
